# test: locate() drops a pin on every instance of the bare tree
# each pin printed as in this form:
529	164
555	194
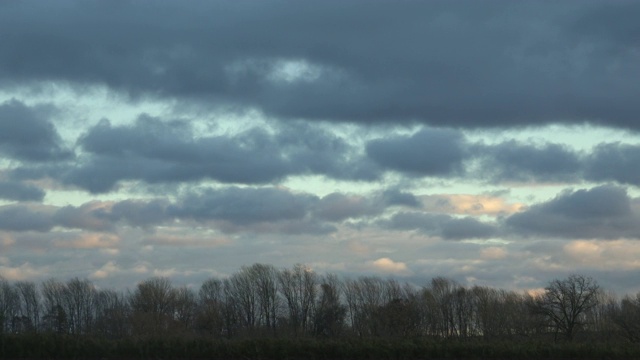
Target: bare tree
329	317
211	307
153	306
55	317
299	288
440	299
243	295
185	308
78	300
9	304
112	313
565	302
28	319
265	280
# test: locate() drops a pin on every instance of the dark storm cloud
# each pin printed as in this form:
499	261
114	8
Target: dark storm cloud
27	134
451	63
446	226
14	190
429	152
603	212
514	161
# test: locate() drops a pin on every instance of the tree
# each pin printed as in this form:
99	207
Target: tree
55	315
29	318
9	304
242	294
79	300
299	288
564	303
112	314
264	280
185	309
211	306
330	314
153	305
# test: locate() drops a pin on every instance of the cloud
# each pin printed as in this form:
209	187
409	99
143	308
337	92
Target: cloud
440	63
429	152
140	213
400	198
158	151
105	271
493	253
90	241
243	205
23	272
467	204
338	207
445	226
603	212
155	151
185	240
389	266
614	162
514	161
25	218
27	134
19	191
88	216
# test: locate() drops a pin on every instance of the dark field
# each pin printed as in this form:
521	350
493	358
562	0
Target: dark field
54	346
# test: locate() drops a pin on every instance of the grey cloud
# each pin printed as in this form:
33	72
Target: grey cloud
311	149
467	228
26	134
438	62
24	218
603	212
338	207
230	209
429	152
15	190
87	217
140	213
157	151
525	162
614	162
243	206
446	226
397	197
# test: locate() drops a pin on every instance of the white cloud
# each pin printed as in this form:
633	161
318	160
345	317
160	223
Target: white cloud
389	266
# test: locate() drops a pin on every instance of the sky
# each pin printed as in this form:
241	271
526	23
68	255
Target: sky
496	143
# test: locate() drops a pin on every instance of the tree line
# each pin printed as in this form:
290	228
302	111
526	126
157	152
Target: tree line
261	301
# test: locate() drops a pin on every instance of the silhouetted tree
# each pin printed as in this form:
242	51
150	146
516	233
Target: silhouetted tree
329	317
9	304
565	302
299	289
153	306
